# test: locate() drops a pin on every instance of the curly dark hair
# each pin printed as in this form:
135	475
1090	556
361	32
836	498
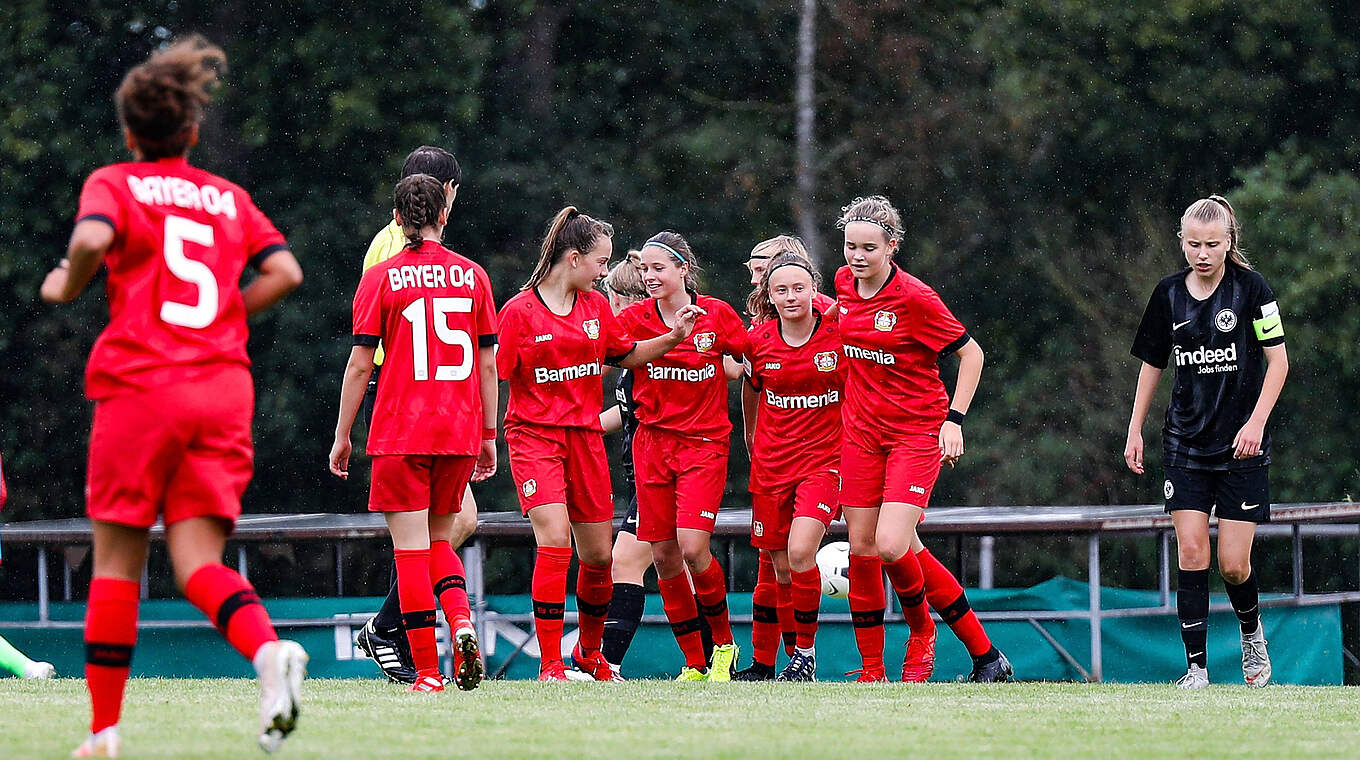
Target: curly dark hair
161	99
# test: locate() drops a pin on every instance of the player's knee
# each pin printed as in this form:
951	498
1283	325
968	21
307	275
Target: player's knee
1193	554
1234	571
594	555
802	558
696	555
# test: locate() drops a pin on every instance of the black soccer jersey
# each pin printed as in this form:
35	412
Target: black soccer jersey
1216	346
623	391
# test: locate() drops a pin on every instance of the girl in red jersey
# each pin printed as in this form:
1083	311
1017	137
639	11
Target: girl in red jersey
171	383
772	600
680	450
792	400
900	425
557	334
433	312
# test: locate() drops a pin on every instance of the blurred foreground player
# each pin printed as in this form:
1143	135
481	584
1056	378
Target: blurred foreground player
171	382
434	423
12	659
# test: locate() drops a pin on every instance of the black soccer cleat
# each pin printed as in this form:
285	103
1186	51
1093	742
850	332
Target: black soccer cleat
756	672
996	671
390	650
801	667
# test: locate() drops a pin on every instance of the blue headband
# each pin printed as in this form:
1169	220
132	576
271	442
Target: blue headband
665	247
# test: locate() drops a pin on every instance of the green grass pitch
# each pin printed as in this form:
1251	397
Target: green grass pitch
643	719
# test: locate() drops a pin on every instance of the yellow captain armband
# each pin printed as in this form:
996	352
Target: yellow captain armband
1269	326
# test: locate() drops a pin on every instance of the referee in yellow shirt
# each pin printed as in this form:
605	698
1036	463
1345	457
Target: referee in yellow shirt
383	637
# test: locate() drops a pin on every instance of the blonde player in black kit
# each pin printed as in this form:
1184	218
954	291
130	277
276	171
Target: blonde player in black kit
1218	321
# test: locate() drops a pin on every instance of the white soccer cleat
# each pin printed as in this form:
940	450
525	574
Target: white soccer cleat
40	670
103	744
1255	659
281	666
1194	679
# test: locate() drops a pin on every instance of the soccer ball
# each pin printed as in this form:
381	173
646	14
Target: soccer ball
833	560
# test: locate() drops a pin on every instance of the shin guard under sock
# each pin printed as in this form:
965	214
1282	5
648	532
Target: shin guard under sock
683	614
625	615
867	602
944	593
417	607
594	589
909	584
807	601
1246	603
110	635
1192	607
450	583
549	594
711	590
765	614
230	602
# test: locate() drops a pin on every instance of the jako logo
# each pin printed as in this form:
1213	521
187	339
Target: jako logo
917	490
707	515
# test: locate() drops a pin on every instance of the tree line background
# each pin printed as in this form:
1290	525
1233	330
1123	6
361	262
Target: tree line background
1041	154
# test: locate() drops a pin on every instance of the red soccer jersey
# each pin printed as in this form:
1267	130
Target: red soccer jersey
182	238
798	422
554	363
432	309
892	342
685	391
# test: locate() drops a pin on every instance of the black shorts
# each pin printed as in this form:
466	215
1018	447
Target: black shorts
1242	494
630	520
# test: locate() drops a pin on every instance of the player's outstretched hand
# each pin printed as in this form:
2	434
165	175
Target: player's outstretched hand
951	442
685	320
486	462
1133	452
54	285
1247	442
339	462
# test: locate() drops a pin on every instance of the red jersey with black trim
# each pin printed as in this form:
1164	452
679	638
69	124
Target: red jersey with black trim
182	238
555	363
685	391
892	342
432	309
798	420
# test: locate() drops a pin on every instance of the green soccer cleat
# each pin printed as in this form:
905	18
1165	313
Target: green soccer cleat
724	658
691	674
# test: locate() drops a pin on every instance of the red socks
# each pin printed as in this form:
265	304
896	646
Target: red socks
909	584
947	597
765	614
683	613
867	602
711	591
784	592
230	602
110	634
549	594
807	600
416	596
450	585
594	591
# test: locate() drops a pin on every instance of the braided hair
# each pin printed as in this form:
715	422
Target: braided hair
419	200
161	99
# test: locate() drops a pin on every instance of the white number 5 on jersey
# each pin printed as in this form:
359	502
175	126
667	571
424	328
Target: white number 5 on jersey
202	313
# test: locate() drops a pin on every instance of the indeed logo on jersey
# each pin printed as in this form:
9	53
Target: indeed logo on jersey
576	372
869	354
682	374
429	276
1208	360
802	402
177	191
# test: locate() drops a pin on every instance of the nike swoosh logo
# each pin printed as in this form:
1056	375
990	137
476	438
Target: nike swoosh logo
1196	654
1188	625
1178	326
1246	506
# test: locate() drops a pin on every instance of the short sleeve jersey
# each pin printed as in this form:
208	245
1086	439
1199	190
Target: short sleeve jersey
623	393
685	391
554	363
182	238
389	241
432	308
1217	348
798	420
892	342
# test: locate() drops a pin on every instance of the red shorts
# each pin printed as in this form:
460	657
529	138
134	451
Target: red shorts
816	496
412	482
680	482
903	470
179	450
560	465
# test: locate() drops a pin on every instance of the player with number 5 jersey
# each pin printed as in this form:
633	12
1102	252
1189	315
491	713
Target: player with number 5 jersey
434	420
171	382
